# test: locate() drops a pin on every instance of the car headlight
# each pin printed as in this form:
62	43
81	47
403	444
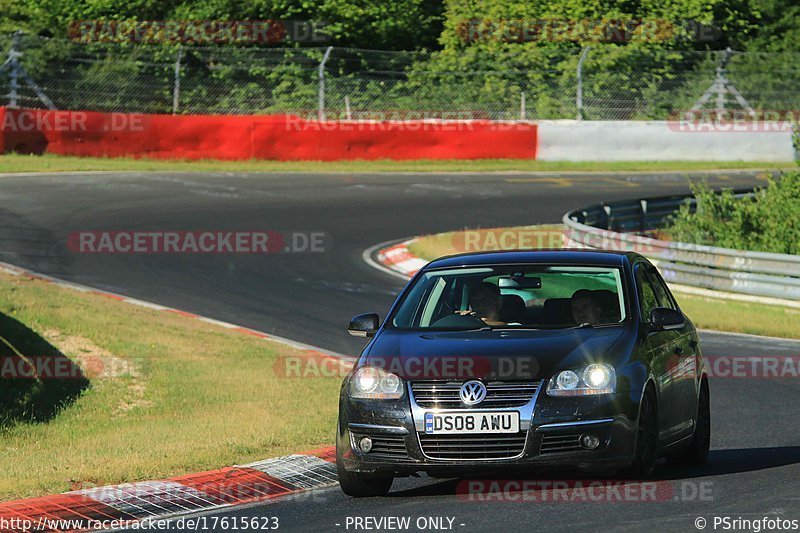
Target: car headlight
375	384
598	378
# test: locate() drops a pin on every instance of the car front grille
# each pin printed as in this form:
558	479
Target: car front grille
392	446
445	394
466	447
560	443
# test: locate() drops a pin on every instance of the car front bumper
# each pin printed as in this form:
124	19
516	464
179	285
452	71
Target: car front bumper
550	428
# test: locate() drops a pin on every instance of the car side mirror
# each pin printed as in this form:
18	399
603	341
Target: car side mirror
364	325
664	318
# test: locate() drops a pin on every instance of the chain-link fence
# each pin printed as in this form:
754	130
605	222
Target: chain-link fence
612	83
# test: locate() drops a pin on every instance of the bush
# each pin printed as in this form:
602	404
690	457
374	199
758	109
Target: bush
766	222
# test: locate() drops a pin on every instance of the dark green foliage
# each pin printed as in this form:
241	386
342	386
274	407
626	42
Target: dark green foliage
466	61
768	222
382	25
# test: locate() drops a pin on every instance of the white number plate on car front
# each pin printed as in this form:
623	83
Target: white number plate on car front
472	422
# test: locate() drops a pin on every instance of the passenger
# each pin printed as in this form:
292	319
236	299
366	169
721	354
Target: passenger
484	302
585	308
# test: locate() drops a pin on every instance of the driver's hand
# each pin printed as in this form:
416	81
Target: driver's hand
466	312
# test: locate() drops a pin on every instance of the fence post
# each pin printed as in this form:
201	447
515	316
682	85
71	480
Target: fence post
13	62
321	75
176	87
522	105
579	93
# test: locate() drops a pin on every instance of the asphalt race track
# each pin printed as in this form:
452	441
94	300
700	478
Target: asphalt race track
753	468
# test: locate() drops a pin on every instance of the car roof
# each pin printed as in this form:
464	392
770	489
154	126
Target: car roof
555	256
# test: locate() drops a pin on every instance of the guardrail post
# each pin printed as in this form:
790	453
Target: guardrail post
643	218
321	77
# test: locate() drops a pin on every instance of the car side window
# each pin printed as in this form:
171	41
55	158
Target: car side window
662	293
647	296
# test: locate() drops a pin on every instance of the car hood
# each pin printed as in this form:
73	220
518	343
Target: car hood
495	354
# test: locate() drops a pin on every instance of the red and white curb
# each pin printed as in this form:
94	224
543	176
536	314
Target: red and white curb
133	502
179	495
394	259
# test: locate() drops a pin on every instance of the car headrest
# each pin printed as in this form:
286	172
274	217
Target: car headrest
609	301
512	308
558	310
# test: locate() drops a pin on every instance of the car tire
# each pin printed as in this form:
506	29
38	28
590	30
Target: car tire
360	485
646	447
696	454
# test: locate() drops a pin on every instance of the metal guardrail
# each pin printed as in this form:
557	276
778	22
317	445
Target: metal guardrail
624	225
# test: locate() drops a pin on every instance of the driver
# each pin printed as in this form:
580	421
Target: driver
585	308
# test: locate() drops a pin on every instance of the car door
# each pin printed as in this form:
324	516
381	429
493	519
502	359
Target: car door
659	346
683	360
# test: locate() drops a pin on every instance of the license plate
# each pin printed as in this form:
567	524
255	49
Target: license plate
472	422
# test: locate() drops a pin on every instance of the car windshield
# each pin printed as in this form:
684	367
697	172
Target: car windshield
513	296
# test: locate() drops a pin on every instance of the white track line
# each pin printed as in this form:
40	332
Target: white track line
19	271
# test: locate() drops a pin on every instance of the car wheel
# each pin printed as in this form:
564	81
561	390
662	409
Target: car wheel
644	460
697	452
361	485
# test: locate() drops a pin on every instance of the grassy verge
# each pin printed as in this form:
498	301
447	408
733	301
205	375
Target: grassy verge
53	163
710	313
193	396
741	317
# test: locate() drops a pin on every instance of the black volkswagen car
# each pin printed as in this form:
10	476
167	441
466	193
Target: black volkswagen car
524	360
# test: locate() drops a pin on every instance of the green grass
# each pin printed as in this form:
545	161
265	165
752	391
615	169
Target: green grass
53	163
741	317
200	397
709	313
430	247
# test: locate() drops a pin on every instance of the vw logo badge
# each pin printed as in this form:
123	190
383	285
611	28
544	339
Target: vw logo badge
472	392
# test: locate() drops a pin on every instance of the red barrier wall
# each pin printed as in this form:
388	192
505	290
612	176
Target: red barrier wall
278	137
